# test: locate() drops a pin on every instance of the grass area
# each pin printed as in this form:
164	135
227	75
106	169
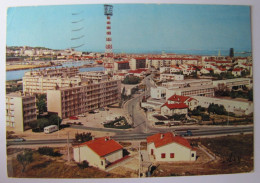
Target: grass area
236	155
224	119
49	167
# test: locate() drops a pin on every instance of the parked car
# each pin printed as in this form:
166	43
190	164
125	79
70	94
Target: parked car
159	123
102	109
19	140
74	117
187	133
82	115
91	112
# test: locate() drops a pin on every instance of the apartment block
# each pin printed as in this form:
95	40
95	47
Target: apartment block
95	76
39	81
204	90
20	111
187	83
76	100
40	84
229	83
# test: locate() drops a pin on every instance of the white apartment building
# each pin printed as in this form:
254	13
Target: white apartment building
165	77
40	84
204	90
231	105
20	111
95	76
76	100
158	92
229	83
187	83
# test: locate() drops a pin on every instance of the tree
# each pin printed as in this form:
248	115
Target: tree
83	137
55	120
25	158
41	103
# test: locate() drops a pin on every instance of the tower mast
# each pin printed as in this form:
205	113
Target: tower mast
108	61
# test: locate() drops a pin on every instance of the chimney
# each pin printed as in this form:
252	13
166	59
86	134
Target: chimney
162	136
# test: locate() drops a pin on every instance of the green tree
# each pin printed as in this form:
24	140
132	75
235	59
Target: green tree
41	103
25	158
83	137
55	120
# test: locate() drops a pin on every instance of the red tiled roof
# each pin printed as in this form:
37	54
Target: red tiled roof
137	71
223	62
237	69
122	62
178	98
102	147
175	106
99	61
120	74
160	139
209	69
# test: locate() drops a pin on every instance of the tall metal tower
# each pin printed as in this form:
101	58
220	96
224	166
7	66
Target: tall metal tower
108	12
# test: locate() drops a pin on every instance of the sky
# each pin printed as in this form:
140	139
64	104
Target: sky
135	27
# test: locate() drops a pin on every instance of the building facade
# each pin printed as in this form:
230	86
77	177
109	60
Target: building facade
73	101
20	111
169	148
100	152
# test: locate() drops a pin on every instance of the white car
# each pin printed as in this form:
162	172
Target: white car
82	115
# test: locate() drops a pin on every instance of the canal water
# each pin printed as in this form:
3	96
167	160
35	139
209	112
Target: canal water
18	74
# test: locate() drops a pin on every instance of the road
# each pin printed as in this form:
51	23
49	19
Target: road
141	130
142	136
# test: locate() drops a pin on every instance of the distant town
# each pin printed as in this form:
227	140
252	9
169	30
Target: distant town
74	114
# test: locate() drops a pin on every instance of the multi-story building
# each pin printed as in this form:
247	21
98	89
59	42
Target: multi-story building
165	77
229	83
20	111
204	90
54	72
121	65
187	83
96	76
40	84
231	105
76	100
137	63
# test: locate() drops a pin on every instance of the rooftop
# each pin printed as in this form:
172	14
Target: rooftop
161	139
102	146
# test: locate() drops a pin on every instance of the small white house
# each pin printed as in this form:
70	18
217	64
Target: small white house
177	99
171	109
170	148
99	152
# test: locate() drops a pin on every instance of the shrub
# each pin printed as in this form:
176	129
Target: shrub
48	151
83	165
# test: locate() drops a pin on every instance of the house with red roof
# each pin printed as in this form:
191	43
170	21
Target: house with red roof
206	70
170	148
220	70
100	152
237	72
174	108
178	99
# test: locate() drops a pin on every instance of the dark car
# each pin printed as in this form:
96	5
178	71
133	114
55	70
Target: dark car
187	133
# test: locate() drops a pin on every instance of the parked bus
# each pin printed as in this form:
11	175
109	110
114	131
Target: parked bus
50	129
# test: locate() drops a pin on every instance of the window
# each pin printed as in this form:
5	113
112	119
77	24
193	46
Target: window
101	162
192	155
172	155
163	155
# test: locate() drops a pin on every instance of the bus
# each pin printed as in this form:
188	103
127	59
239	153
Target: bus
50	129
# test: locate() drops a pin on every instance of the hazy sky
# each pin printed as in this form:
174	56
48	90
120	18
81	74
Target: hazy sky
134	27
